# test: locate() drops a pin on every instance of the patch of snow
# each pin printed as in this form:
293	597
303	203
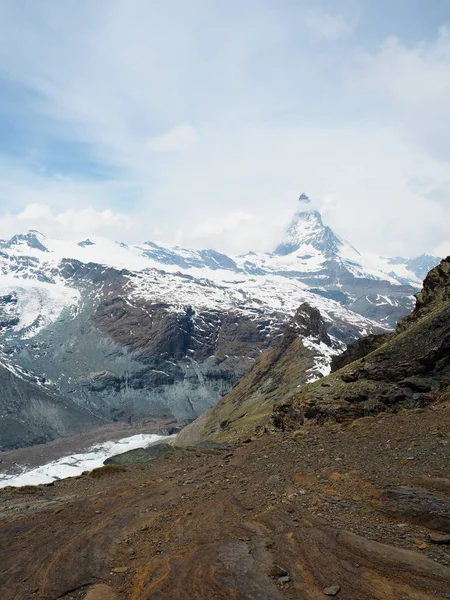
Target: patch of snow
325	353
75	464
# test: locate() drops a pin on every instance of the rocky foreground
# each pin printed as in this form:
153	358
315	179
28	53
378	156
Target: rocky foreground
359	511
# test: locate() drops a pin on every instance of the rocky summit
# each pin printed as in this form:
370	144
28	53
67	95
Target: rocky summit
122	333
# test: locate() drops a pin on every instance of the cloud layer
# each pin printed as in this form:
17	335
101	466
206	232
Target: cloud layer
206	122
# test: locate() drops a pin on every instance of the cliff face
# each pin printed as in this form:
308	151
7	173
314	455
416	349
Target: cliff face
275	375
434	295
408	369
359	349
32	413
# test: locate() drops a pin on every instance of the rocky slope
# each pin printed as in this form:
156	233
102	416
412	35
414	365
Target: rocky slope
405	369
342	509
409	369
32	412
275	375
358	508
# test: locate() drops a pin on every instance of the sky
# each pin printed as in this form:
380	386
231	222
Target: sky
199	123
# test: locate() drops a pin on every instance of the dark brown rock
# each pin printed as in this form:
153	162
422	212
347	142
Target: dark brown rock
417	506
359	349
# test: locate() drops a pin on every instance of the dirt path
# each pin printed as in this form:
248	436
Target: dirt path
279	517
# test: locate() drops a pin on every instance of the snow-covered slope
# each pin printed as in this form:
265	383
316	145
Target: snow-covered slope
310	247
28	305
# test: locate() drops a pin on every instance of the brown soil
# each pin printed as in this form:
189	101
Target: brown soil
281	516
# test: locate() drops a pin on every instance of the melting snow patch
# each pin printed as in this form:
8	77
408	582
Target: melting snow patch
75	464
322	366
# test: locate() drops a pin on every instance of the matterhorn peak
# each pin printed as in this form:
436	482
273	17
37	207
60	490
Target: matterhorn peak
304	198
307	231
37	234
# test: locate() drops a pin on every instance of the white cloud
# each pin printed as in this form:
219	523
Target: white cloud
70	223
224	224
89	219
178	139
36	212
276	112
325	26
414	81
442	250
238	231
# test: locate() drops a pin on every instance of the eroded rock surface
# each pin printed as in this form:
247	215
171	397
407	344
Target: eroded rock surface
280	517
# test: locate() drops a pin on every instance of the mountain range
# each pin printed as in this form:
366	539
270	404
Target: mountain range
110	331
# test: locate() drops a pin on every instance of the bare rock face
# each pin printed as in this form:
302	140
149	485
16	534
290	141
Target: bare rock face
358	349
408	371
435	293
158	330
32	413
308	322
420	506
7	317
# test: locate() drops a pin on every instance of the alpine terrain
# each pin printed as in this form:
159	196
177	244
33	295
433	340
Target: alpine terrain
286	490
103	332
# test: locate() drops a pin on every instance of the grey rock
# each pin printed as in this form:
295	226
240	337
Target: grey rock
439	538
139	455
333	590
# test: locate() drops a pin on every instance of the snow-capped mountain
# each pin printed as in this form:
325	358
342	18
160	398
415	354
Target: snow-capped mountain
165	331
312	249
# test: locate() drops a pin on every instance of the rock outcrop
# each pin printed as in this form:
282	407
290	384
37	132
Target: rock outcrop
275	375
410	369
358	349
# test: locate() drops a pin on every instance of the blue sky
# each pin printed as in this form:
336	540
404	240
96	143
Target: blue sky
200	122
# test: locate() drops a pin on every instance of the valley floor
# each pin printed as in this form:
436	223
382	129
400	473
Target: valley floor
356	507
15	461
